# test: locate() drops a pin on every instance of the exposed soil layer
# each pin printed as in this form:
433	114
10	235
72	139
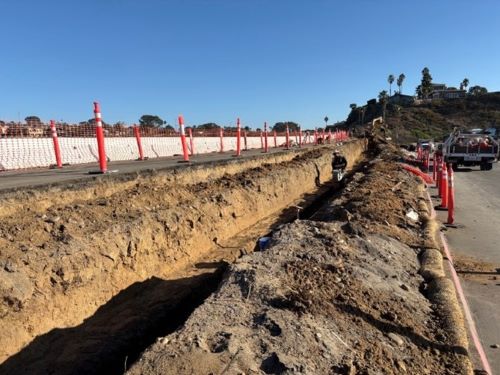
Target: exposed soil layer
91	272
337	294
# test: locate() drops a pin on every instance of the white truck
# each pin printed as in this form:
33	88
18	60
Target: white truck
469	149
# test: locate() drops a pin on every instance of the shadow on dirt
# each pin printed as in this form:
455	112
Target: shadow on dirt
406	332
119	330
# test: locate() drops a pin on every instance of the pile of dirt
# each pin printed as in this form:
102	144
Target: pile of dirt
75	260
338	294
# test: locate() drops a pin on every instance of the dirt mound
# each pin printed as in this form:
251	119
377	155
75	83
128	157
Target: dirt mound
337	294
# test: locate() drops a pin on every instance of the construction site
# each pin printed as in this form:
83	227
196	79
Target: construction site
249	187
259	264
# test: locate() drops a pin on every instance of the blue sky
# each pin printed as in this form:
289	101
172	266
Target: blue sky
261	60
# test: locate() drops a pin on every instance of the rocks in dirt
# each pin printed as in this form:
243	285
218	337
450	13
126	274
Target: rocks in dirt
15	289
396	338
412	215
9	266
404	287
495	346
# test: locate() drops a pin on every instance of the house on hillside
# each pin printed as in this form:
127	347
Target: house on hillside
440	91
401	99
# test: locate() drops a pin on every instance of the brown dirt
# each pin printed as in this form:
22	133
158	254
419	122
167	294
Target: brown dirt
337	294
473	269
84	268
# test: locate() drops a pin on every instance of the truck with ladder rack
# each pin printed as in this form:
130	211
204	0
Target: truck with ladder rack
469	149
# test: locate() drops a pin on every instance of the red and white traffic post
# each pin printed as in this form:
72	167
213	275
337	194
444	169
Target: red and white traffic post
266	149
434	166
103	162
182	132
55	139
439	174
238	137
139	142
444	188
221	137
451	196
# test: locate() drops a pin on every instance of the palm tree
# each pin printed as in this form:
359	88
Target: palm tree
326	120
464	84
390	79
399	82
382	99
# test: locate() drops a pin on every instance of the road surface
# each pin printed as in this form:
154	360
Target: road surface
69	174
475	242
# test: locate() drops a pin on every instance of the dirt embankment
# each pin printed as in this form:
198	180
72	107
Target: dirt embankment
340	293
86	269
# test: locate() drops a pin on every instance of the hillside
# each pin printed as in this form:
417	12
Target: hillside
437	118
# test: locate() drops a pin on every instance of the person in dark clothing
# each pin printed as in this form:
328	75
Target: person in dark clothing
339	164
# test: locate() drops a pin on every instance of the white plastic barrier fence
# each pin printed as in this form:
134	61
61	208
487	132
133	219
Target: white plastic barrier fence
22	153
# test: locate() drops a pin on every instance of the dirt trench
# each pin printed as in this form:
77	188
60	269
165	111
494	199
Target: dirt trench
85	278
343	292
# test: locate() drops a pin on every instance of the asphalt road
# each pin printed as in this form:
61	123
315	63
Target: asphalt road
477	197
68	174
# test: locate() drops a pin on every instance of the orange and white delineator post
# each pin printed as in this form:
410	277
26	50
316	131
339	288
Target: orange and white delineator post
439	176
182	132
221	137
55	139
266	149
434	166
238	137
139	141
451	196
103	162
444	188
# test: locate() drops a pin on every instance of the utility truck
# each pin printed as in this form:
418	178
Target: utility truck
469	149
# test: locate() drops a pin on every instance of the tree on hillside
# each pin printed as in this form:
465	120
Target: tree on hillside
33	121
151	121
399	82
281	126
390	79
326	120
208	126
382	99
477	91
425	87
464	84
353	106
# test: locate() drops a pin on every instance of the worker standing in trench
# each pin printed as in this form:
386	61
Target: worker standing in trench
339	164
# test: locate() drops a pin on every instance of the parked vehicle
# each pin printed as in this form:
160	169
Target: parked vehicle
426	144
469	149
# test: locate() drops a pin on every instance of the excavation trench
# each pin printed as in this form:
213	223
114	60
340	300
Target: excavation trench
102	278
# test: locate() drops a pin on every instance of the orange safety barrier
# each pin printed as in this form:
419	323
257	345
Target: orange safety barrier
418	172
